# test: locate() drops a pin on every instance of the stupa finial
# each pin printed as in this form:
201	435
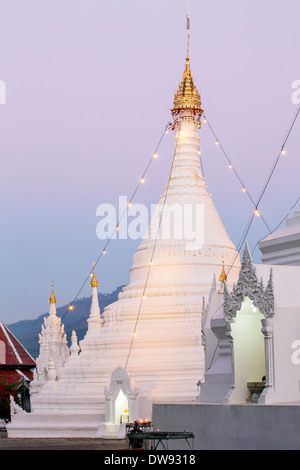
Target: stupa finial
94	282
52	299
223	275
188	30
187	96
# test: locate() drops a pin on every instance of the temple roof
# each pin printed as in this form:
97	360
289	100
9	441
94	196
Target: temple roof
12	352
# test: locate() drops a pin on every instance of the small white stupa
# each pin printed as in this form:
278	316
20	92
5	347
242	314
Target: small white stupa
54	350
146	347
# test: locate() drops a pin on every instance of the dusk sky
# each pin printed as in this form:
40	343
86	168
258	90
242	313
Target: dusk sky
89	87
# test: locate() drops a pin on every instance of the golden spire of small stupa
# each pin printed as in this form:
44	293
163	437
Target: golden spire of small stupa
187	96
223	275
94	282
52	299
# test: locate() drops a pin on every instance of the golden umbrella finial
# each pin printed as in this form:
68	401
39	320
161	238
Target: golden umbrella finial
52	299
187	96
94	282
223	276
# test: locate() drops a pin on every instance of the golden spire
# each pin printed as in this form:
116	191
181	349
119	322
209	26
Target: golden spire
94	282
52	299
187	96
223	276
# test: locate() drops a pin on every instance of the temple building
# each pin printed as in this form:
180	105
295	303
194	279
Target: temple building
147	346
16	365
248	396
283	246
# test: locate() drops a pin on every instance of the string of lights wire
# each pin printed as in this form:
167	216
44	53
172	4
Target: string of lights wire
153	251
103	252
256	212
230	165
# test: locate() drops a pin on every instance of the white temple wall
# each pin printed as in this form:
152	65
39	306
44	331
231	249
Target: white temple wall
286	343
230	427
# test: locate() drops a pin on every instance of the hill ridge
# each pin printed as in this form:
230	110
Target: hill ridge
27	331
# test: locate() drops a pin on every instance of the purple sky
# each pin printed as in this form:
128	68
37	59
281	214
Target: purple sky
89	87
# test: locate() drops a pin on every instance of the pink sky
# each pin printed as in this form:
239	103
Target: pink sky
89	87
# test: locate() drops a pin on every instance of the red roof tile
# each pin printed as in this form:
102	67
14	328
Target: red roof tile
12	353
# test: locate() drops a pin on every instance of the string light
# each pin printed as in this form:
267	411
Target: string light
103	252
153	250
283	152
235	172
256	212
155	155
244	190
71	307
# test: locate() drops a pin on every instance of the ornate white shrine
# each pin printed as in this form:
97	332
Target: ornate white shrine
251	337
54	350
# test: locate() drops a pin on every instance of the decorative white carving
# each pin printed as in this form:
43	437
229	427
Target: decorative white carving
120	376
248	285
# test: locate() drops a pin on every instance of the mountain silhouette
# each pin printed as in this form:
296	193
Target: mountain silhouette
27	331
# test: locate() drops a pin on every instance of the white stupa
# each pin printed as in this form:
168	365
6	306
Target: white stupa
147	346
54	350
